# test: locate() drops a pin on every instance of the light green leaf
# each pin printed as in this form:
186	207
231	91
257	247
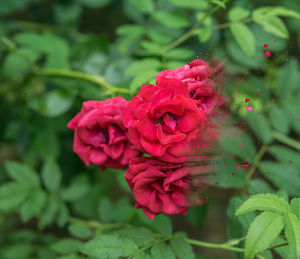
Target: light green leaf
244	37
145	6
142	65
273	25
181	247
141	255
109	246
171	19
162	224
180	54
139	235
12	195
292	233
130	30
268	201
22	174
152	47
190	3
80	231
33	205
51	175
295	206
265	228
237	14
66	246
204	33
275	11
260	125
162	251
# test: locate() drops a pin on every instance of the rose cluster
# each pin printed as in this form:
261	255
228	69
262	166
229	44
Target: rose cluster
170	121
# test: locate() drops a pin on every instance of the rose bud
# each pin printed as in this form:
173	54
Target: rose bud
100	136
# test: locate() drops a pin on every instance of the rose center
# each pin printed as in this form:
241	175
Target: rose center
168	121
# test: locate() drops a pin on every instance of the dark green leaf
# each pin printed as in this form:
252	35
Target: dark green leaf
237	14
77	189
171	19
80	231
162	224
189	3
50	210
162	251
51	175
257	186
181	247
66	246
94	3
279	120
145	6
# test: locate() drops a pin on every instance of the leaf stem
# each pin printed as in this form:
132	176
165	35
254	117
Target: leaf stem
191	31
216	246
286	140
285	243
98	80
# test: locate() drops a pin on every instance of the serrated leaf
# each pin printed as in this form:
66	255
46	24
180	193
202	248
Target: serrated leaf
51	175
171	19
162	224
22	174
181	247
269	202
260	125
66	246
12	195
139	235
295	206
109	246
162	251
292	233
237	14
33	205
265	228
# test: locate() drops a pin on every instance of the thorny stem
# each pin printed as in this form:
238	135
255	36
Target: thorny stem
286	140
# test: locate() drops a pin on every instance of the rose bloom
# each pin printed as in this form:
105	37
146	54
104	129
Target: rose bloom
100	136
163	121
197	76
160	187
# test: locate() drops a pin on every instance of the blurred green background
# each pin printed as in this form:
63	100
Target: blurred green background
56	54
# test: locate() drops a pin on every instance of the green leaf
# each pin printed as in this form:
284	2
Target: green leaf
66	246
78	188
105	209
181	247
63	214
285	155
276	11
171	19
141	255
94	3
139	235
260	125
162	251
244	37
237	14
268	201
257	186
142	78
152	47
109	246
284	176
122	210
22	174
292	233
265	228
279	119
162	224
33	205
12	195
51	175
199	4
145	6
142	65
130	30
180	54
51	209
295	206
80	231
273	25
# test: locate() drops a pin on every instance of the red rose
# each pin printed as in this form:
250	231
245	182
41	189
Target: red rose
100	136
200	86
164	122
160	187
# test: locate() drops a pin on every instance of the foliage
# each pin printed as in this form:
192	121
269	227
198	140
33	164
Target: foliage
56	54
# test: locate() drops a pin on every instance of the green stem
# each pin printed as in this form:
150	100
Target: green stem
216	246
256	161
285	243
286	140
191	31
98	80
